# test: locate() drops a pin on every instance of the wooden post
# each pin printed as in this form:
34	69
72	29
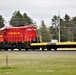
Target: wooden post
7	60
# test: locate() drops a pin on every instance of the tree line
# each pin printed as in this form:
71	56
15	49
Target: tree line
67	26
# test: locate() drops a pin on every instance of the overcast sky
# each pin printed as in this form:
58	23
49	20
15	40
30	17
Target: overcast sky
38	9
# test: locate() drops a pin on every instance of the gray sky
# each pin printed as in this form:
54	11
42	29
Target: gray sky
38	9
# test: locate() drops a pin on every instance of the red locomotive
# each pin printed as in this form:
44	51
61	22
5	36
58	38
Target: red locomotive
17	37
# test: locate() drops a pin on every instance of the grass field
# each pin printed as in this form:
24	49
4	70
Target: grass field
37	64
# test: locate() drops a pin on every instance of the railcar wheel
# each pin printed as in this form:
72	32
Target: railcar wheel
55	49
33	49
49	49
42	49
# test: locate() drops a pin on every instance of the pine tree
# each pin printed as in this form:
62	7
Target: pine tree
45	34
27	19
17	19
1	21
20	20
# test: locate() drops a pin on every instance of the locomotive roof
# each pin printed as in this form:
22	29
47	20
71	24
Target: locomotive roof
21	27
2	28
17	27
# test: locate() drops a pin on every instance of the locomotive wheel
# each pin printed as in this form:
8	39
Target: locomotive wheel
49	49
33	49
0	49
42	49
6	50
26	49
12	49
19	49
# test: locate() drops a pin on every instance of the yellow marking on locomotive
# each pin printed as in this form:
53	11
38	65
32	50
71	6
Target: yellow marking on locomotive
0	36
18	32
66	43
38	44
14	33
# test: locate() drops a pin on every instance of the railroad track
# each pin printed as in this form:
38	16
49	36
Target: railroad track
41	52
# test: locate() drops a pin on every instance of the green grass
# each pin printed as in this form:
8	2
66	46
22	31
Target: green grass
38	64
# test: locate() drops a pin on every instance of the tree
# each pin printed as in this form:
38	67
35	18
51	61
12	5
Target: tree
74	28
53	32
74	34
27	19
17	19
55	21
67	18
54	27
1	21
69	27
44	32
63	30
20	20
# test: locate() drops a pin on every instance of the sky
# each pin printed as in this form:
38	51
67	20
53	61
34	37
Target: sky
38	10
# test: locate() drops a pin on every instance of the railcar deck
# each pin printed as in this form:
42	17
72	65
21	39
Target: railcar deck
55	46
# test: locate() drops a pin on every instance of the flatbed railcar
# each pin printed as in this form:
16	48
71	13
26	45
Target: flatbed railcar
24	37
49	46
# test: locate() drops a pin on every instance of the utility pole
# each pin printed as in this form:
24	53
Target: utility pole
59	24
